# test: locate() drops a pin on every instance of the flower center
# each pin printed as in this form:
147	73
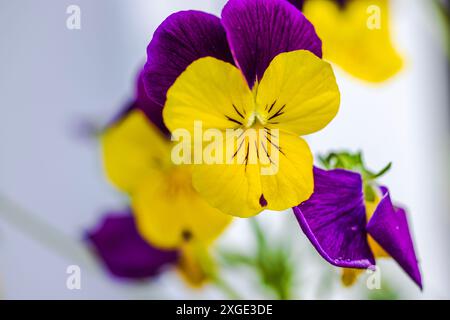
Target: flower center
255	119
179	181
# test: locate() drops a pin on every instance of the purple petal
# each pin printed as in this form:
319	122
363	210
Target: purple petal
152	110
124	252
389	227
180	40
334	219
259	30
297	3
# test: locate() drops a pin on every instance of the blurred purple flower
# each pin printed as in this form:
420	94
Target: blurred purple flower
119	246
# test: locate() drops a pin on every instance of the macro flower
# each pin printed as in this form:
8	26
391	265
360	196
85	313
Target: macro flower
351	220
168	211
126	254
356	36
256	68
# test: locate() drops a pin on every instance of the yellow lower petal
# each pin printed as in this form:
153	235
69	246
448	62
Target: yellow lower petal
274	175
170	212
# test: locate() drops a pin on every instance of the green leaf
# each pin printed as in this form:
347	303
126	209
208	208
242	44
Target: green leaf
382	172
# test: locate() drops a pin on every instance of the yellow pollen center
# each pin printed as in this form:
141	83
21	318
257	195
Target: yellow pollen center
255	119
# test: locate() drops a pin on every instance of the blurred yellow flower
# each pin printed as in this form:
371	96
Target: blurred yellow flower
196	266
169	213
356	36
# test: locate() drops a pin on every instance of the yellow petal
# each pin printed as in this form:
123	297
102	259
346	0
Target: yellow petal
132	150
298	93
169	211
294	182
272	171
350	276
211	91
356	37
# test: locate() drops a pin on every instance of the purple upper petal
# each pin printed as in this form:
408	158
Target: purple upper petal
152	110
180	40
334	219
389	227
124	252
299	3
259	30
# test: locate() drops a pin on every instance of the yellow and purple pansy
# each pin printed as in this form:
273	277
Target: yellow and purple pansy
259	67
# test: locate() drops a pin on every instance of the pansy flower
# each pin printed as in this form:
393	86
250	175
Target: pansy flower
118	244
351	220
356	35
168	211
258	67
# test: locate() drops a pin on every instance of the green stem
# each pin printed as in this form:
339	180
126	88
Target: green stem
259	234
52	238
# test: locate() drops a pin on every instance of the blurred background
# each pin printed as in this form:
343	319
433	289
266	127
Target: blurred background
55	82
